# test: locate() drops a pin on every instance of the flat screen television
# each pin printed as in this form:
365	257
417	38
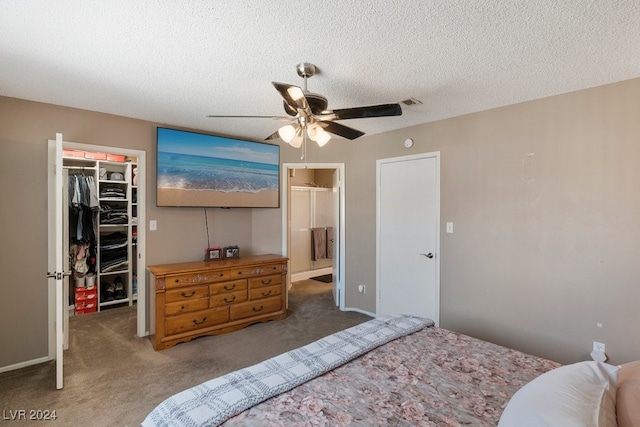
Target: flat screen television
202	170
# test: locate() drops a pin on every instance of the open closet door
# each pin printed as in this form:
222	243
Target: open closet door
337	280
55	274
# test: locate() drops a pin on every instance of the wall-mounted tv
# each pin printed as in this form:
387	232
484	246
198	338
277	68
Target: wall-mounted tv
201	170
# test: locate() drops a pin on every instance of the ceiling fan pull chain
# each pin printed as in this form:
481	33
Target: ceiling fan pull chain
304	145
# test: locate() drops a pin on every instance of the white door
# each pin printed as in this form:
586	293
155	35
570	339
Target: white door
55	274
408	200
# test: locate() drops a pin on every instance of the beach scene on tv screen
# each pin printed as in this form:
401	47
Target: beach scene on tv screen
196	169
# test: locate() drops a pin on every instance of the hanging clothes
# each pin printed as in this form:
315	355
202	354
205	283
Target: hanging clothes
83	203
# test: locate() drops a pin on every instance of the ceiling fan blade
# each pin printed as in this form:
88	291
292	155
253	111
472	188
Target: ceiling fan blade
341	130
293	95
252	117
381	110
274	135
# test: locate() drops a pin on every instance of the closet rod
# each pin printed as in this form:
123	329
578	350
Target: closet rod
79	168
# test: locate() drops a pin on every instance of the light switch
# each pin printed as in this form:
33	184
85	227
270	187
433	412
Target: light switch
153	225
449	227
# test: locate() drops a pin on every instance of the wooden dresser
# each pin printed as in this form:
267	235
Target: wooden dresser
214	297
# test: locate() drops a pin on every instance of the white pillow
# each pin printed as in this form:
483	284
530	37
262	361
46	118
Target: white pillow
582	394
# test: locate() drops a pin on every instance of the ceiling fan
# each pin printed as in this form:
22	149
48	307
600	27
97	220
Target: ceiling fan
310	117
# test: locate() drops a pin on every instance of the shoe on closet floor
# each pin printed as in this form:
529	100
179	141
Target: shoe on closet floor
119	292
108	291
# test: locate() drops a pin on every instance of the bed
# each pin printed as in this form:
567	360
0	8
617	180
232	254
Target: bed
392	370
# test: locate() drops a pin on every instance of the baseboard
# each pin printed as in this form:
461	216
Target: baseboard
304	275
24	364
360	311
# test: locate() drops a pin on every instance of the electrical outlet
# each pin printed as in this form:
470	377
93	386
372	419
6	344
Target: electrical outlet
598	346
362	289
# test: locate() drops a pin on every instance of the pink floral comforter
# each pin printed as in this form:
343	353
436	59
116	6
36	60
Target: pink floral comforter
433	377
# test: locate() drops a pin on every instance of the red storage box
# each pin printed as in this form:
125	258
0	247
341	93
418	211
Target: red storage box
72	153
95	155
87	293
86	297
84	307
115	157
80	311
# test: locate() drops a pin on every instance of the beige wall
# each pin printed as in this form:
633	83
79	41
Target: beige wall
545	201
543	196
25	128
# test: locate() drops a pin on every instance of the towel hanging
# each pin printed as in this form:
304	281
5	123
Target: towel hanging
318	243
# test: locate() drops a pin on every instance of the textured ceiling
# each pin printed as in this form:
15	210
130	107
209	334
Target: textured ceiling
175	62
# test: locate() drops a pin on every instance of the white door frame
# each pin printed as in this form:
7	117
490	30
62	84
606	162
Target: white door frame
141	305
284	188
379	163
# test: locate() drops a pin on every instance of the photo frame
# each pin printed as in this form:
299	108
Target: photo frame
231	252
213	254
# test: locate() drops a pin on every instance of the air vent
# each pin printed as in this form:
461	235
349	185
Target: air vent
411	101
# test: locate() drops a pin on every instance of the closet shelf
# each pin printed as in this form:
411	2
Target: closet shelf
114	302
111	273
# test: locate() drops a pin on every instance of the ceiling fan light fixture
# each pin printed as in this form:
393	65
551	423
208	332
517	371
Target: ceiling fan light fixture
317	134
322	137
296	142
295	93
287	133
312	131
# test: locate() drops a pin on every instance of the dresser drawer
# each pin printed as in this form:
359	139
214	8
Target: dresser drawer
255	308
258	271
221	288
178	281
197	320
222	300
261	282
264	292
173	308
186	294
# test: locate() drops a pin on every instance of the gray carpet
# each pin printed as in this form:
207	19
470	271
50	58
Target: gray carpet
113	378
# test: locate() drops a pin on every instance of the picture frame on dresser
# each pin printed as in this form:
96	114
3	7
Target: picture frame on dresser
213	254
231	252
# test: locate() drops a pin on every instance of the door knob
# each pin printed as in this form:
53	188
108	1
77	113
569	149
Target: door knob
429	255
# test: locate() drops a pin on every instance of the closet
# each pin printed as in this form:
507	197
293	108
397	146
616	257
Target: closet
100	196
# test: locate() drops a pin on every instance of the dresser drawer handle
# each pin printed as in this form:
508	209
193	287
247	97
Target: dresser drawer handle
266	294
265	282
258	309
181	308
221	275
188	296
231	288
195	322
231	300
